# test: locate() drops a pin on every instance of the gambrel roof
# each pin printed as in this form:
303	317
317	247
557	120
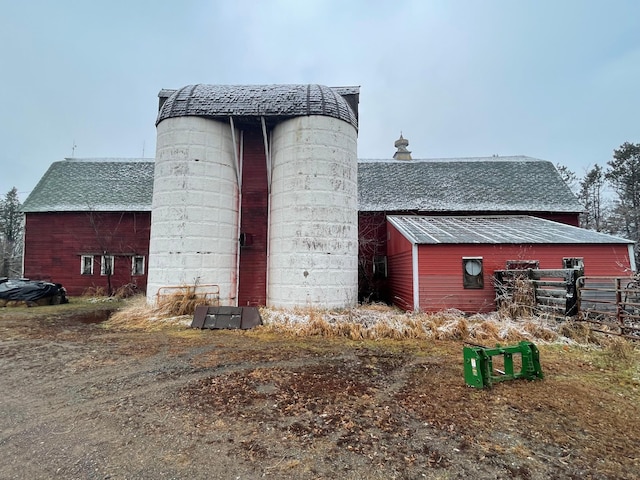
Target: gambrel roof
508	184
498	229
255	101
94	184
489	184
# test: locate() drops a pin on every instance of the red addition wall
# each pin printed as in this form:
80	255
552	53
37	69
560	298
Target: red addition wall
252	289
55	243
441	276
400	271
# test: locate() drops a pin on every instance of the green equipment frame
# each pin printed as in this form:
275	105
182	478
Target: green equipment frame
479	369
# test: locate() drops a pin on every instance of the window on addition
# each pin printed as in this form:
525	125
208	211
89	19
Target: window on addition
137	265
106	265
86	265
573	262
472	272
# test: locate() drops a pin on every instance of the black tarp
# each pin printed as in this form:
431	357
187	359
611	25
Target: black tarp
30	290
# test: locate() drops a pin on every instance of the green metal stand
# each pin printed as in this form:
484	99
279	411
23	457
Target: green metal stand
479	369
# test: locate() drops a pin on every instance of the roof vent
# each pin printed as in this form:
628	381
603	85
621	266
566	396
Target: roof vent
402	153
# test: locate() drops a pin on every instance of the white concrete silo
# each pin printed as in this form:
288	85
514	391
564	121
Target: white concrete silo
194	226
313	236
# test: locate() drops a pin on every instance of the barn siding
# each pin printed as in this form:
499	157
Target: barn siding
252	288
400	263
54	243
440	268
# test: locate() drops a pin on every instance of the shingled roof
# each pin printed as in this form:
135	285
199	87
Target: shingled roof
255	101
503	229
490	184
95	184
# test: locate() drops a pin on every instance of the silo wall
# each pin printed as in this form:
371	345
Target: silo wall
313	236
194	220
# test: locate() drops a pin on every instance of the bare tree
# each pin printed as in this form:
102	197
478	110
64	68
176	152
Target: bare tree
592	197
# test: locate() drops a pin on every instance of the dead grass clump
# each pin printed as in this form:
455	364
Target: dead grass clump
182	301
518	299
126	291
487	330
619	353
138	314
540	331
576	331
94	291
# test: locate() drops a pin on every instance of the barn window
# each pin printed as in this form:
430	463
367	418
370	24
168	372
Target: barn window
472	272
86	265
106	265
380	267
576	263
137	265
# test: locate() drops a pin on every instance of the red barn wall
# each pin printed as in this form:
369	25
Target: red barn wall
400	262
252	289
440	267
372	236
55	242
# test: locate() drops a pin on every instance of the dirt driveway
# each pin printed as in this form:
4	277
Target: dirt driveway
78	400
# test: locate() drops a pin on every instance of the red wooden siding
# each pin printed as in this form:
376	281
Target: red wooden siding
55	242
252	273
440	267
400	262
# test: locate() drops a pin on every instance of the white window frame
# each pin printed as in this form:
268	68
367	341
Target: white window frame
103	264
86	261
135	271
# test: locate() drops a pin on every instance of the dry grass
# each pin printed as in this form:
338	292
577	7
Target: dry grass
519	301
368	322
138	314
383	322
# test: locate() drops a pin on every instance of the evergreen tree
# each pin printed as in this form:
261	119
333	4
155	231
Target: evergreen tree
11	228
623	174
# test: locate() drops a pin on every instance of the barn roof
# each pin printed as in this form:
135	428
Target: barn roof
490	184
503	229
95	184
249	101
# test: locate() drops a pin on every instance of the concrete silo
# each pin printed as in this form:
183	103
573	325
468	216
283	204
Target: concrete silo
255	191
314	226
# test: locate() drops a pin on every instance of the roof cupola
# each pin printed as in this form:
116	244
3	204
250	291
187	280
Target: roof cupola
402	153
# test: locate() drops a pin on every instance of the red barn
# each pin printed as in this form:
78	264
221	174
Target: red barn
87	225
442	262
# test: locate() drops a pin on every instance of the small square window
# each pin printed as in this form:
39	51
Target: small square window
86	265
137	265
576	263
472	272
106	265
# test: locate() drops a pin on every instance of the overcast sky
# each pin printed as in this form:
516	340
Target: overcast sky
551	79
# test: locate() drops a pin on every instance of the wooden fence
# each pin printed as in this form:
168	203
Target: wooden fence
611	304
551	292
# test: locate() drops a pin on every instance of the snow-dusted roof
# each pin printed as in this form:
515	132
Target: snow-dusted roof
466	185
503	229
269	101
94	184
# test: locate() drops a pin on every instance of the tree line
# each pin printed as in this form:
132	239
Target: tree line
610	195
